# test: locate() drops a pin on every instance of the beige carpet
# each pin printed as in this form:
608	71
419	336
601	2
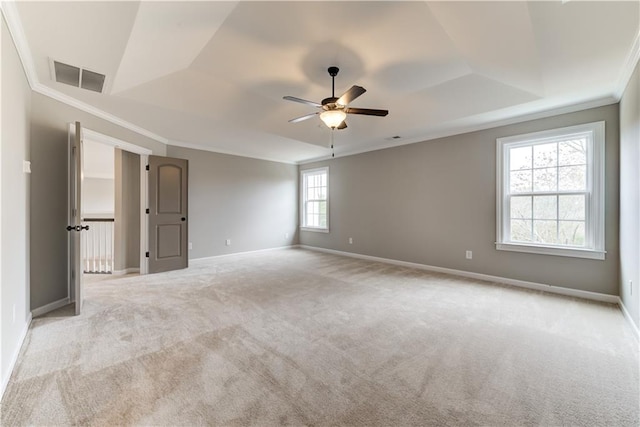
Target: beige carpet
295	337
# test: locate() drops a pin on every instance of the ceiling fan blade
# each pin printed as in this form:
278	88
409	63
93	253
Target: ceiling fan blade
302	101
366	111
302	118
350	95
342	125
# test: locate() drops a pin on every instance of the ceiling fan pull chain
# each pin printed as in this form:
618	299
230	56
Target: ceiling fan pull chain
332	152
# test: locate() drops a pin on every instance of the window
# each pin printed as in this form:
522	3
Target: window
314	207
551	192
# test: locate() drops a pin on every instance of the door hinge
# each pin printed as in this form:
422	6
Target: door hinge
147	168
147	210
147	254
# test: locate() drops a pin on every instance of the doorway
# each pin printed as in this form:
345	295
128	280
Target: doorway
113	197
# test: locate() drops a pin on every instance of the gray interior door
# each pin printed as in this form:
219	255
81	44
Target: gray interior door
168	220
75	226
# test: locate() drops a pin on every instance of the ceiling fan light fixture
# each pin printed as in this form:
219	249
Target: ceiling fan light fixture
333	118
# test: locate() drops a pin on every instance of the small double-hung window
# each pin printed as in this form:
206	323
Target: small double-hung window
550	188
315	193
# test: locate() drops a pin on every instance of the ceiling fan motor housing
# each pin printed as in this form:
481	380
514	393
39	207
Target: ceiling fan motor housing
329	103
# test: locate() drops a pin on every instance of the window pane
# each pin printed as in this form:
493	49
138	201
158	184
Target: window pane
545	155
322	221
572	207
573	152
310	220
545	179
520	181
545	231
545	207
311	193
572	233
572	177
520	158
323	180
521	230
321	193
521	207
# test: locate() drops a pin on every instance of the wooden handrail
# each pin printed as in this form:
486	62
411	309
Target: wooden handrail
98	220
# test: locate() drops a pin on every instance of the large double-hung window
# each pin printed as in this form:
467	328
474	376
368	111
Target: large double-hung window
314	206
551	192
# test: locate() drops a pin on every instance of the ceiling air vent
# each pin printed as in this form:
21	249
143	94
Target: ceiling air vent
78	77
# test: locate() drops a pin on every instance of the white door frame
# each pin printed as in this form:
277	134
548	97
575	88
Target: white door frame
144	156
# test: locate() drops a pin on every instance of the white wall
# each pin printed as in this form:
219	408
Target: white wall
14	206
98	185
630	197
98	197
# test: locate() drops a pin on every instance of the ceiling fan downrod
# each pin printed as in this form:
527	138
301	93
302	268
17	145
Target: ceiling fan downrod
333	72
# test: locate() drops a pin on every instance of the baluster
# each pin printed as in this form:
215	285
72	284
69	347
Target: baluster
101	248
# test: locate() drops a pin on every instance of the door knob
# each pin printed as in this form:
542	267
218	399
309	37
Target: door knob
183	219
77	227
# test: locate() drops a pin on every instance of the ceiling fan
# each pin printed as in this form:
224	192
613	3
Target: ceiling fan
333	111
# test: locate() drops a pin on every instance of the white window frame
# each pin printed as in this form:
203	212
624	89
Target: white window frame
303	199
595	209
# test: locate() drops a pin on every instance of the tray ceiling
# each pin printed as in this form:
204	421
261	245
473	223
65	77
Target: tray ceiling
213	74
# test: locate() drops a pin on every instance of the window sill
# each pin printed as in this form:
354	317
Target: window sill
546	250
316	230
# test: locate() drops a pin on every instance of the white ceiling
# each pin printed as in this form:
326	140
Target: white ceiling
213	74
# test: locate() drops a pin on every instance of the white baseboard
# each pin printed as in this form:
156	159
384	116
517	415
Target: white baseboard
627	316
278	248
14	357
613	299
50	307
125	271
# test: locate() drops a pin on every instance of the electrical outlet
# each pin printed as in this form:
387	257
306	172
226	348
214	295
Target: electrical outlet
351	240
190	245
286	235
228	242
469	255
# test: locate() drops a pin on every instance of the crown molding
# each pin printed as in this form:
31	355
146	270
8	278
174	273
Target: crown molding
462	129
12	17
182	144
83	106
629	67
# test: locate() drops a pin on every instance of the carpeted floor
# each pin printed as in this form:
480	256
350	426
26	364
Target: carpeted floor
304	338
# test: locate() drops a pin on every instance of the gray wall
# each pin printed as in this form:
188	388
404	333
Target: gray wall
127	210
252	202
14	260
429	202
630	196
49	127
